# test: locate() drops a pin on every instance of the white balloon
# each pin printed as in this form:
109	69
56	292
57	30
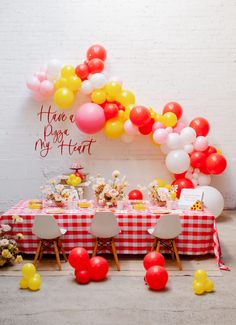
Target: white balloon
173	141
187	135
54	69
164	148
116	79
127	138
169	129
212	199
194	181
177	161
87	87
98	80
201	143
130	128
204	179
188	148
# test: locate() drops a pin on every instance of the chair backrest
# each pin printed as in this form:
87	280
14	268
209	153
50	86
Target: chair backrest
168	226
104	225
46	227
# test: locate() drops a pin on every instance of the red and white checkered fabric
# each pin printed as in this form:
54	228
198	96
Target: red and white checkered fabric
199	234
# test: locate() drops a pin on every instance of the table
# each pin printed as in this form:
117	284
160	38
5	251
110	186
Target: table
199	234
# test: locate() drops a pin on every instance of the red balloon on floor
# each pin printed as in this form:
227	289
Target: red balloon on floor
82	277
98	268
156	277
200	125
135	195
173	107
216	163
152	259
182	183
79	258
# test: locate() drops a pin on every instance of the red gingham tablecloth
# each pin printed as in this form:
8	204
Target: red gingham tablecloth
199	234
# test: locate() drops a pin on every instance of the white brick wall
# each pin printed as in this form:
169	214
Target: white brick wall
163	50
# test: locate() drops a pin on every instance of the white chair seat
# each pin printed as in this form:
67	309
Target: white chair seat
63	231
150	231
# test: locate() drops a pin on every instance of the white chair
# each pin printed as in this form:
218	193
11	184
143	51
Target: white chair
46	228
168	227
105	227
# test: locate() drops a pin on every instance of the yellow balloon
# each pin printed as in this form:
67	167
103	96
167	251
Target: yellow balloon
169	119
160	182
63	82
219	151
158	117
113	89
114	128
98	96
200	275
67	71
209	285
38	277
121	115
126	97
199	288
168	186
74	83
64	98
23	283
110	98
173	195
28	270
34	283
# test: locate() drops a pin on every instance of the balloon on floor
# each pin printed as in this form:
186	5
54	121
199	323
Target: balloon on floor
31	280
113	109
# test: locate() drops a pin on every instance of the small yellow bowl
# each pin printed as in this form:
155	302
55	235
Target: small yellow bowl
84	204
138	207
35	206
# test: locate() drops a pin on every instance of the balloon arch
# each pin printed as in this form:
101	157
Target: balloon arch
189	156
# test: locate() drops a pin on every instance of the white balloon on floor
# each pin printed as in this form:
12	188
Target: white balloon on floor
212	199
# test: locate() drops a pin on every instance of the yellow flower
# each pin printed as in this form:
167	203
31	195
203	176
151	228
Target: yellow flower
6	253
53	181
19	236
18	259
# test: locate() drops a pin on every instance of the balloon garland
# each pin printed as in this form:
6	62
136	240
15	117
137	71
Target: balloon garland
112	109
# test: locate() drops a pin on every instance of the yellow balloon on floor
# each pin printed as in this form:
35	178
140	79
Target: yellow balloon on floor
126	97
200	275
199	288
74	83
67	71
64	98
169	119
23	283
114	128
113	89
63	82
209	285
28	270
34	283
37	276
98	96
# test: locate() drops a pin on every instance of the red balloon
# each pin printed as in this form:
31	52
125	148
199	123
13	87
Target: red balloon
146	128
173	107
98	268
82	71
96	52
210	150
95	65
139	115
82	277
197	159
135	195
110	110
121	107
79	258
156	277
200	125
182	183
182	175
153	258
216	163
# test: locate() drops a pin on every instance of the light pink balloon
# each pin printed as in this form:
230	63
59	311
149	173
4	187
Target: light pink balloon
169	129
157	125
90	118
41	75
39	97
160	136
179	126
46	88
200	144
33	83
130	128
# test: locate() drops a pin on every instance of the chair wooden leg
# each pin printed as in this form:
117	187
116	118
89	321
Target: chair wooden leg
57	254
37	253
95	248
62	249
154	244
172	250
177	255
113	247
41	250
158	245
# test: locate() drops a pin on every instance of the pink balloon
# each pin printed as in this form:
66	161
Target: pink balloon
90	118
130	128
46	88
33	83
200	144
157	125
179	126
160	136
39	97
41	75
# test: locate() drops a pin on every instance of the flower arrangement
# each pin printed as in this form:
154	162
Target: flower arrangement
9	252
111	191
159	194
